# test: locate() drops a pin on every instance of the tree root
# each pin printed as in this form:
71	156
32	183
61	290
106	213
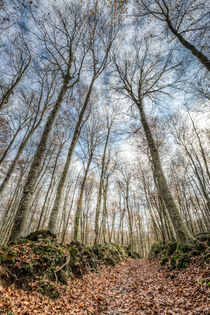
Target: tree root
60	268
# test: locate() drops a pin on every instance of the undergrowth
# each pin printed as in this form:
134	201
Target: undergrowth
40	262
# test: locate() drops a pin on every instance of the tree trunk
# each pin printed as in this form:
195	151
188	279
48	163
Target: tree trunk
21	214
98	206
183	235
59	192
198	54
79	203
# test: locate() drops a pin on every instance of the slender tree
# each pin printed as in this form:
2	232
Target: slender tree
139	79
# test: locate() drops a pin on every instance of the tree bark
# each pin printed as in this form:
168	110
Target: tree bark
59	192
79	202
21	214
183	235
98	206
198	54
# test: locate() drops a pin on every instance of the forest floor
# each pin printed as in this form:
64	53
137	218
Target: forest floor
137	286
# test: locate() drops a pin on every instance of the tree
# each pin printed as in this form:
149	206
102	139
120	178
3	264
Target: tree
37	104
91	138
64	61
109	125
101	37
141	78
18	58
186	20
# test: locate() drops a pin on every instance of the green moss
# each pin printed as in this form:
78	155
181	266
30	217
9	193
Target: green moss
163	261
208	241
170	248
41	258
73	251
28	268
156	249
179	260
7	255
41	235
186	248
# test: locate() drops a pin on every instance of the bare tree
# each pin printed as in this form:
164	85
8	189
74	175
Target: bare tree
64	60
186	20
92	140
141	78
101	37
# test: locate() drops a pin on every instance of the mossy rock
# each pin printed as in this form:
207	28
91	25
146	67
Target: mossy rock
179	260
81	247
201	247
19	241
170	248
41	235
73	251
163	261
186	248
156	249
7	256
27	261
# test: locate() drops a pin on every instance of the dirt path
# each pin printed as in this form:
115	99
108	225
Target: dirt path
135	287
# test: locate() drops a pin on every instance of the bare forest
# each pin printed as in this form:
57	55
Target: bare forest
104	122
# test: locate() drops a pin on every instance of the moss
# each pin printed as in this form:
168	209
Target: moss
73	251
179	260
7	255
178	256
163	261
18	241
40	235
41	257
27	268
208	241
170	248
186	248
156	249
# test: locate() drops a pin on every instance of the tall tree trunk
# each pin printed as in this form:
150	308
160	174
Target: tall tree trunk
104	215
69	211
79	203
130	221
49	188
98	206
21	214
183	235
59	192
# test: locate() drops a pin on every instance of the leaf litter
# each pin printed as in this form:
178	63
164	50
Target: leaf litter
137	286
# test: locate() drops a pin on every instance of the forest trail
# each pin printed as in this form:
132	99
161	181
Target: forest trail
134	287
